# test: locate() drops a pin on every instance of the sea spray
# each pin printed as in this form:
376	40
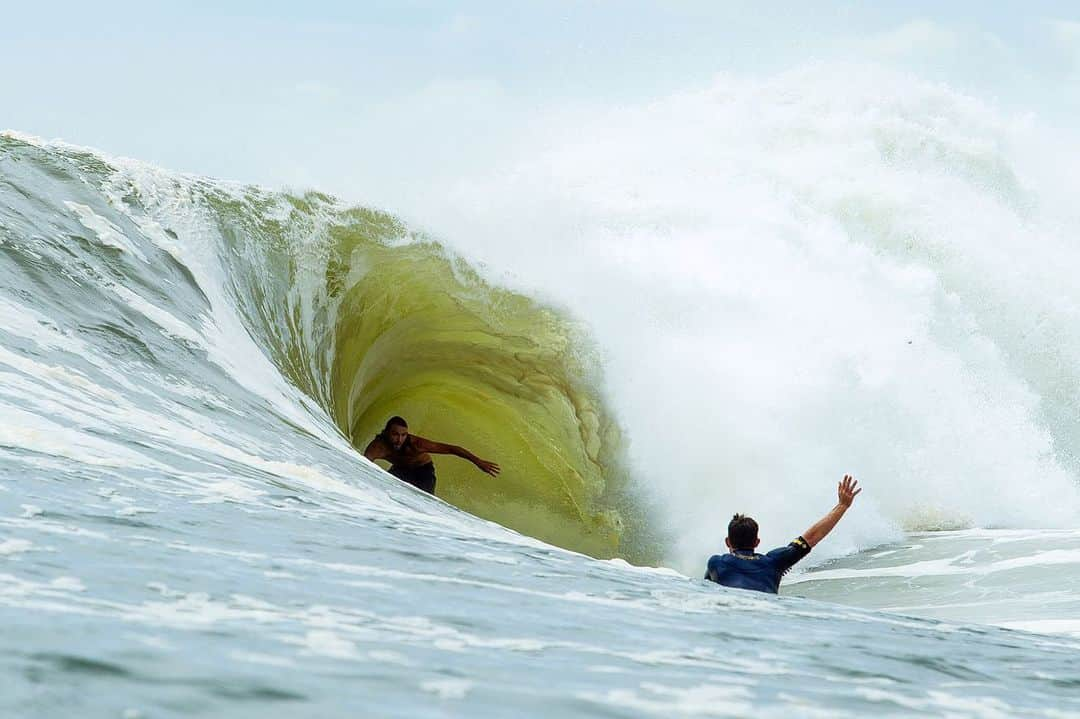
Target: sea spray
835	269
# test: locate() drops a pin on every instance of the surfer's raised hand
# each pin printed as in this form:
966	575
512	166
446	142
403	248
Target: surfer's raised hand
846	490
489	467
845	495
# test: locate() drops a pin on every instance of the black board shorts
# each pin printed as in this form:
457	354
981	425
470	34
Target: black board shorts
422	477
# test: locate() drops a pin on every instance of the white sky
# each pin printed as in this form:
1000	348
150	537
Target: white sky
379	101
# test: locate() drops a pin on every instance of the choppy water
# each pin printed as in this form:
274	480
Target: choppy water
1025	579
187	530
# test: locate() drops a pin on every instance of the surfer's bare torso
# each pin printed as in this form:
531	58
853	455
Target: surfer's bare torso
410	456
414	452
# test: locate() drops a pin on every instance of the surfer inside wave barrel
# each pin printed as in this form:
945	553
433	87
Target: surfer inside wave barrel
410	456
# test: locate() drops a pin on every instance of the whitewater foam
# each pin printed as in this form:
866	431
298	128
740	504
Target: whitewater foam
806	276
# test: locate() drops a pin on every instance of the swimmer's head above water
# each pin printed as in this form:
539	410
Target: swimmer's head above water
742	533
743	568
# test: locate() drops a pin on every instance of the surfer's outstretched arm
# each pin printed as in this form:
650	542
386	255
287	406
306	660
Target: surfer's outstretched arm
845	494
439	448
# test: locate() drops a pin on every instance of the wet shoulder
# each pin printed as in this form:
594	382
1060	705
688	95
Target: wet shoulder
379	446
733	559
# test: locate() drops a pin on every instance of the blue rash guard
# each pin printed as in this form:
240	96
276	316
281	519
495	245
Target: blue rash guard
743	569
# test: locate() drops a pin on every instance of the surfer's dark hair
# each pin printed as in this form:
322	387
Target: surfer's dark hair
395	421
742	531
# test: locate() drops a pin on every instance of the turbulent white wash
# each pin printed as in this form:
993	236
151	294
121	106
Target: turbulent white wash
839	269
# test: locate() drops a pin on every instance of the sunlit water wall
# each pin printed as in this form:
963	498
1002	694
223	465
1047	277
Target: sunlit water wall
373	320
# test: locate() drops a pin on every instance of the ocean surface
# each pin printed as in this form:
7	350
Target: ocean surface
188	366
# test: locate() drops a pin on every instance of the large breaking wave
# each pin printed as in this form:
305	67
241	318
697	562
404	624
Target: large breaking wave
363	315
785	280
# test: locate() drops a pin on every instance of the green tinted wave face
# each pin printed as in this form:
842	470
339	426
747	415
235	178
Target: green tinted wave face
371	320
419	334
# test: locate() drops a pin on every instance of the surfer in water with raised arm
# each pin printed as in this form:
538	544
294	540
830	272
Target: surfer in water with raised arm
410	456
743	568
